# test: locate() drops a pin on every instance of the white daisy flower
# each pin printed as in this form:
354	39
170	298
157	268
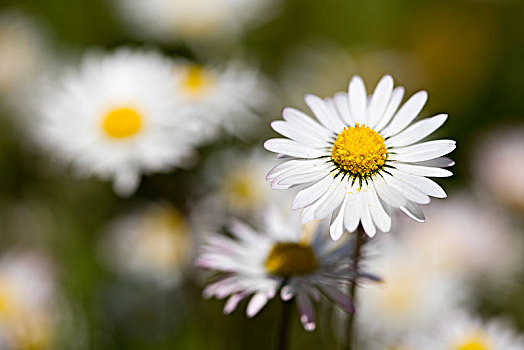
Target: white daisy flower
412	295
27	297
222	99
497	160
115	118
362	159
461	331
282	257
201	20
152	244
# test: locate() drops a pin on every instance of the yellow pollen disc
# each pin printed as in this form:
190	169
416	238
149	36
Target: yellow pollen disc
476	343
359	150
288	259
197	80
122	123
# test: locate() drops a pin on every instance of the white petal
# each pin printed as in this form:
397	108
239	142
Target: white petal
380	100
331	199
292	148
257	302
406	114
324	114
304	122
287	181
399	182
421	170
428	186
341	101
339	298
336	229
352	208
441	162
396	99
423	151
388	194
126	182
357	100
297	166
413	211
365	215
309	195
417	131
378	213
232	302
309	139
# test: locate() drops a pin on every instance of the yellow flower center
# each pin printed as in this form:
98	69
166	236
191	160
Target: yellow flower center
290	259
477	342
122	123
359	150
197	80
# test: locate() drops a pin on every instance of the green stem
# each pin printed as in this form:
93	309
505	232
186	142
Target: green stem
355	256
285	326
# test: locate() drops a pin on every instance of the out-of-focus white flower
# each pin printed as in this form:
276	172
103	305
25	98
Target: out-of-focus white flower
499	157
168	20
461	331
282	255
23	52
466	240
153	244
412	296
360	157
221	99
115	117
27	296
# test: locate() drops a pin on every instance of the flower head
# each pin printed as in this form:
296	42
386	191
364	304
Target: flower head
362	158
283	256
115	117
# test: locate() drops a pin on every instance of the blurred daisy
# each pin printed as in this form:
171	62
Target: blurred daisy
27	294
115	118
461	331
167	20
221	99
153	244
501	154
412	296
282	257
23	52
466	240
362	159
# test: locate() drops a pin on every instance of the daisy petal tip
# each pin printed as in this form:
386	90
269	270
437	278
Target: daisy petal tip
335	234
308	325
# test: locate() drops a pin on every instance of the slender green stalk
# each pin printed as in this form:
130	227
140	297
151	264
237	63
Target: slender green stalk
284	332
355	258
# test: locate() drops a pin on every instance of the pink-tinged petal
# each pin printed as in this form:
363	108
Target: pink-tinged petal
339	298
257	302
233	302
287	292
307	312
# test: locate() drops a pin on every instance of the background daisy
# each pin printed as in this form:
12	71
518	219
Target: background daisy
115	117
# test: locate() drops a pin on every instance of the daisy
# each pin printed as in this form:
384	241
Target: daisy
201	20
461	331
152	244
361	158
27	297
115	118
501	154
282	257
223	99
412	295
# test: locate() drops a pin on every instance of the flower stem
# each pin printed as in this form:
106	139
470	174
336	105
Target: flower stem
355	256
285	326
